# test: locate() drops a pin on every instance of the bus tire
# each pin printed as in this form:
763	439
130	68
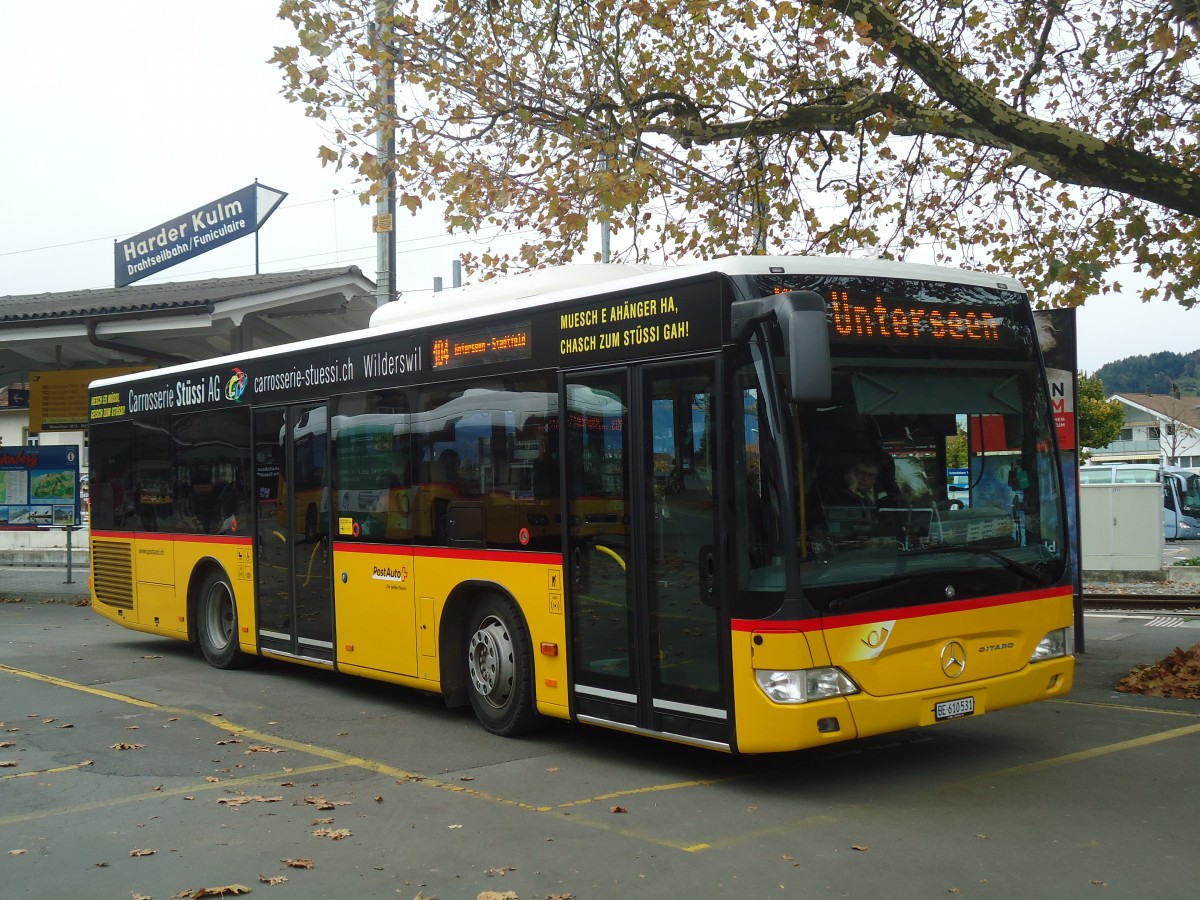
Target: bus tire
216	622
500	668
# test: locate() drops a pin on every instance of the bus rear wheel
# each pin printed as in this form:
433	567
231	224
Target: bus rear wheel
216	622
500	668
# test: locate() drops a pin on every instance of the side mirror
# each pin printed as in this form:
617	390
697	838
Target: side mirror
805	330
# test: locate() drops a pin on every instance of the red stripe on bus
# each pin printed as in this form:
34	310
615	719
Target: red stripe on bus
183	538
541	559
912	612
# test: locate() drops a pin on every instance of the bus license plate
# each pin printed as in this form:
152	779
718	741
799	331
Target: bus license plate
954	709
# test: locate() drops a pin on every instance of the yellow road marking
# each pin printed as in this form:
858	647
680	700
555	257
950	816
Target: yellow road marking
45	771
1094	752
345	759
172	792
1129	708
651	789
338	759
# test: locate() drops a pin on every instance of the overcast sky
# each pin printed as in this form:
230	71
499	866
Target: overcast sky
121	115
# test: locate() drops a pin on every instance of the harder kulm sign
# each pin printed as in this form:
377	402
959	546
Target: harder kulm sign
198	231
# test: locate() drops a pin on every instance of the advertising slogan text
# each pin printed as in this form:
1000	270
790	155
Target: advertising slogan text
630	326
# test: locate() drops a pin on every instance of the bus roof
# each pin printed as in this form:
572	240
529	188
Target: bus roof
564	283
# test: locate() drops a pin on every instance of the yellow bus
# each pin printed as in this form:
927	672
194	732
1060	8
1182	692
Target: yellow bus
706	503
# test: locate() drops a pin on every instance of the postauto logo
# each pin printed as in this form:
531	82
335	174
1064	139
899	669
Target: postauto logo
236	386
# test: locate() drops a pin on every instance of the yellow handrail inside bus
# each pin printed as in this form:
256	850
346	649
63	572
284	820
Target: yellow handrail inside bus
613	554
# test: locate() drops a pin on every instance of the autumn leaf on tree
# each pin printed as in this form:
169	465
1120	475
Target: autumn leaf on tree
1045	141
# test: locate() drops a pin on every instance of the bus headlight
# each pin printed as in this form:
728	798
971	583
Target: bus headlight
804	685
1057	643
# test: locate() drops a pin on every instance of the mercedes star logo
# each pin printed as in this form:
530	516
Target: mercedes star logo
954	659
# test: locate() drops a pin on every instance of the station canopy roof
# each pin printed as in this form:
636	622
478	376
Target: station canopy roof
163	324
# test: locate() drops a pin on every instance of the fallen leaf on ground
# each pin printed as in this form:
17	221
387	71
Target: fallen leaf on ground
272	879
618	809
262	748
142	852
125	746
336	834
218	891
857	847
242	801
298	863
322	803
1176	675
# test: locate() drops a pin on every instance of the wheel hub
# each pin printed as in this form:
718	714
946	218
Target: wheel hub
490	662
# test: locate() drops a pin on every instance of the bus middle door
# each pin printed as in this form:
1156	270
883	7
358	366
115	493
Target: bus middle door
291	538
646	610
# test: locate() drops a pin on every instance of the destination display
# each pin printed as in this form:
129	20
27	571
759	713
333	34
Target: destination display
478	346
882	312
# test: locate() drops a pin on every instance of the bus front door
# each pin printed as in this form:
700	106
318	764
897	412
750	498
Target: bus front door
645	597
291	538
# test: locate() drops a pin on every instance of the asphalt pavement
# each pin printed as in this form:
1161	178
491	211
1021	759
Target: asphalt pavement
130	768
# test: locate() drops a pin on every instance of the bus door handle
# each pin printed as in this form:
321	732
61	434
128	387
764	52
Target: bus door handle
708	575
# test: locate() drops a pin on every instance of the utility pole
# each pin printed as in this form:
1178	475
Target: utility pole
384	223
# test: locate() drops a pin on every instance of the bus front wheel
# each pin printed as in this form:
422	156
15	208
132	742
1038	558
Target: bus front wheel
216	622
500	668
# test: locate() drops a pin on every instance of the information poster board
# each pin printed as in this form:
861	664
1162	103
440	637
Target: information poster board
58	401
39	487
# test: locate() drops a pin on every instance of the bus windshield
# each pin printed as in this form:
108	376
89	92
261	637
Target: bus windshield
882	520
1190	493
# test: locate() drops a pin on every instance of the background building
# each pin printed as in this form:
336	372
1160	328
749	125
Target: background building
1159	428
52	345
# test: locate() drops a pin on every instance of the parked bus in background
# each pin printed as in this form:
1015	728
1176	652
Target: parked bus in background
1181	492
622	498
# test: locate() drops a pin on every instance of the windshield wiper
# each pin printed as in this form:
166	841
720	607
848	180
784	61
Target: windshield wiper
1013	565
865	599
